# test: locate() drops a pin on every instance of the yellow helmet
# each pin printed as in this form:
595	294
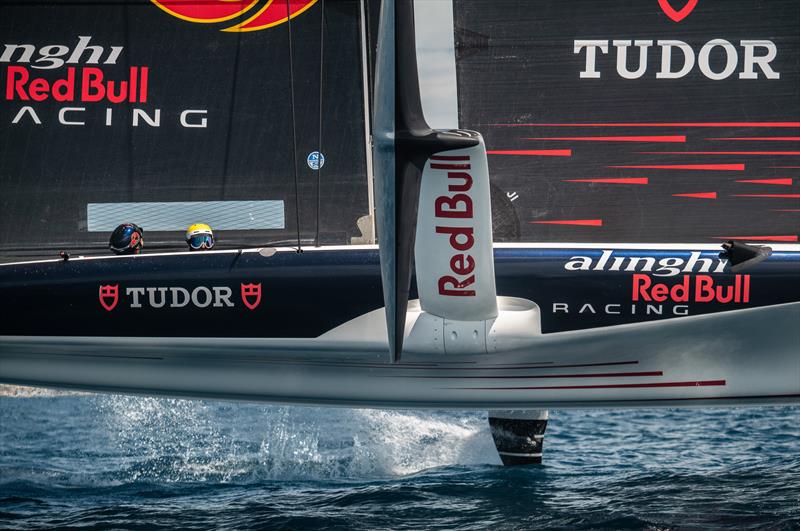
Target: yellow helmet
199	236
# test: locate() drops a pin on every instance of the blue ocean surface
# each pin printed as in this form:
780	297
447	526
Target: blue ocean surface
104	461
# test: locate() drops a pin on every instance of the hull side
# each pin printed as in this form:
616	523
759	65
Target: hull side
286	294
738	357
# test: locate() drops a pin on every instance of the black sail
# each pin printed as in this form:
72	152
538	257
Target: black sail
211	124
582	154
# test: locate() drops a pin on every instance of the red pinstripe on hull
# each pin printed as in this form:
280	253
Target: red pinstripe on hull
527	366
546	376
457	366
700	383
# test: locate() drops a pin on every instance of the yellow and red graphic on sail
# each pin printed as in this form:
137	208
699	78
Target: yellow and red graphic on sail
271	13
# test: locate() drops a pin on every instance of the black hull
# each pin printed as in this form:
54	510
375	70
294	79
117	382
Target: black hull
227	294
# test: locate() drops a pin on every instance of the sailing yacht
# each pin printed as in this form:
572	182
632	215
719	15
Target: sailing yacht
605	218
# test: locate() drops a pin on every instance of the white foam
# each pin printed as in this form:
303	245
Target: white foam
184	440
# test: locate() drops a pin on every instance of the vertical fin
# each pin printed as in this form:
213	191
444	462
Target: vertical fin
519	435
403	143
383	138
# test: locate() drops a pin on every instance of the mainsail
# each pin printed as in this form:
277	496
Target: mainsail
142	111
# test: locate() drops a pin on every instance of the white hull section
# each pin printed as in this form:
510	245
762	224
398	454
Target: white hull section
737	357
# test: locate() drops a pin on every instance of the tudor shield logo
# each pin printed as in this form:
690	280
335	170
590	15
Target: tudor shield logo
251	295
109	296
677	14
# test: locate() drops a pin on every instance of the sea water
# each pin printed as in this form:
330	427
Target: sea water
100	461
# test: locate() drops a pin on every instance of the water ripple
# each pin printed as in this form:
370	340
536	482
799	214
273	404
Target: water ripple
141	463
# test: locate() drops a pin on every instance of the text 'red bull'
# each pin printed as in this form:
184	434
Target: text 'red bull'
461	239
700	288
84	84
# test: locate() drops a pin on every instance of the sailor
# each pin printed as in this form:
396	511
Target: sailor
127	238
199	237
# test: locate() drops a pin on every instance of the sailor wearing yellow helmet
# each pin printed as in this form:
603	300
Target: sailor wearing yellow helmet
199	237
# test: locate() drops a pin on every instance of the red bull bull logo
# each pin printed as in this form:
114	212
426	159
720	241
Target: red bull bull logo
257	14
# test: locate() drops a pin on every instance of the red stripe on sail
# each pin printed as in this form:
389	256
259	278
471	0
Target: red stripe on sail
699	195
621	180
671	138
532	152
784	182
789	153
700	383
704	167
665	124
581	222
784	196
787	238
